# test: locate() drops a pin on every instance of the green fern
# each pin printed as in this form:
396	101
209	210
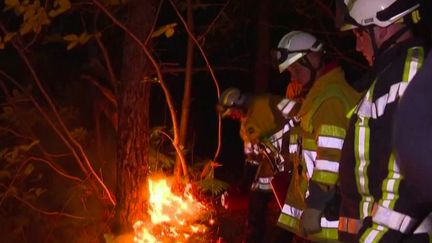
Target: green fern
213	186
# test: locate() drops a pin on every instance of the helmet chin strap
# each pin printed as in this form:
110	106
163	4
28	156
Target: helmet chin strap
387	43
312	70
371	32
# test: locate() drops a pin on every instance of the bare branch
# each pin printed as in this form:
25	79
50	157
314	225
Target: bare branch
110	70
69	139
3	86
154	22
24	163
213	21
47	212
105	92
44	212
182	69
58	155
206	5
58	170
208	66
15	133
325	9
8	188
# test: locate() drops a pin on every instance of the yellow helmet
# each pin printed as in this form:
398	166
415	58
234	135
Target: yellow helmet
230	98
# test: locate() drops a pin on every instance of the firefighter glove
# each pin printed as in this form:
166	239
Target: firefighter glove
310	221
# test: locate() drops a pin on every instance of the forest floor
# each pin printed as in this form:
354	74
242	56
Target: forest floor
232	226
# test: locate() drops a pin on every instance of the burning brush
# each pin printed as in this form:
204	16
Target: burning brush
173	218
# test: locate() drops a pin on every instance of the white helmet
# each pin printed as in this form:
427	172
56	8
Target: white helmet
377	12
293	46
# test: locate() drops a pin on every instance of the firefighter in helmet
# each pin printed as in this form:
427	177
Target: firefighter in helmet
311	205
265	122
377	205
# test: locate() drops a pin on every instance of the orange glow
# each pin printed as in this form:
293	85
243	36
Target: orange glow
173	218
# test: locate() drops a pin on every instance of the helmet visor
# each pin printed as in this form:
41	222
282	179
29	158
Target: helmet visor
278	56
282	58
343	20
397	10
224	111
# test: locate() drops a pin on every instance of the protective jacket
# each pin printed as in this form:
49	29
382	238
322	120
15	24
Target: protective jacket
263	128
372	187
315	150
413	132
267	121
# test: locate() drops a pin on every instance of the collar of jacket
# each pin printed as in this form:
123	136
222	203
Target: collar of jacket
328	67
396	51
330	85
334	75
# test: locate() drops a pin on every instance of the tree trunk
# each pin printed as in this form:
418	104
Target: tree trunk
133	131
262	61
184	120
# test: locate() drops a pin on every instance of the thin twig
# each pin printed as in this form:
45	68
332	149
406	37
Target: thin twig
2	84
213	21
15	133
212	74
104	91
63	126
53	126
107	59
48	213
33	139
173	70
154	22
8	188
325	9
59	120
58	170
57	155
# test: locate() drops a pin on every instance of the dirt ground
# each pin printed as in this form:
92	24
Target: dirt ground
233	221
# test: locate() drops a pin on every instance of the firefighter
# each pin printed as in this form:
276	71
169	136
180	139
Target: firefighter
413	131
377	205
265	121
311	205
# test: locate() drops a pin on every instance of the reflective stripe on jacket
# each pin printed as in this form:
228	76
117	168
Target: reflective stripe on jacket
268	119
323	122
368	156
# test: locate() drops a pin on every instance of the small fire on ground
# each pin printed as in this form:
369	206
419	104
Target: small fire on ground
173	218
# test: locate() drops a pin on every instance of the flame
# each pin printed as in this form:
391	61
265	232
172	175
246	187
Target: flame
172	217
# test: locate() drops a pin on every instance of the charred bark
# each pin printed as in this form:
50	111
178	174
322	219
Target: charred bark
133	131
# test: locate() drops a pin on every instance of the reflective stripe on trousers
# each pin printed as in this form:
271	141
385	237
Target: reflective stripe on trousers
392	219
386	219
296	213
400	222
349	225
293	224
263	183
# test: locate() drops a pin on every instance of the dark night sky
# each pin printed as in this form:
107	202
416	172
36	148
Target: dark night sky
230	46
235	46
231	43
